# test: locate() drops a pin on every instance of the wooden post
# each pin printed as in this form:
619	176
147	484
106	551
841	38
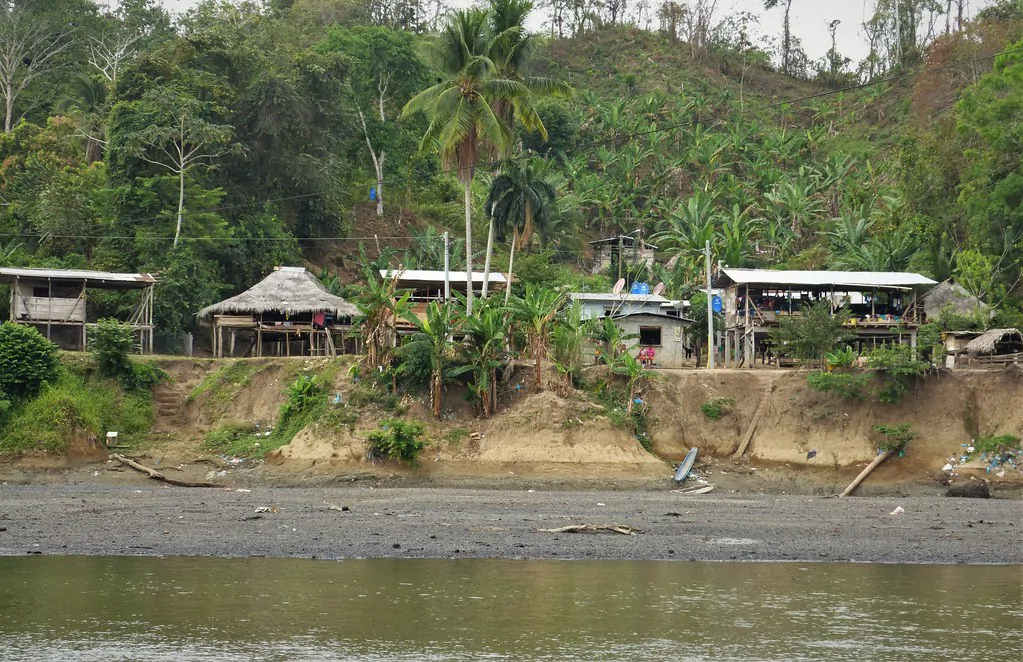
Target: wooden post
49	305
85	316
233	334
14	299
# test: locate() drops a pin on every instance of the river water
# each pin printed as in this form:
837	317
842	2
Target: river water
156	609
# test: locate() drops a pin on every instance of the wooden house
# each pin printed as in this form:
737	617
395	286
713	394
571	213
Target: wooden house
884	305
632	249
55	301
428	285
289	311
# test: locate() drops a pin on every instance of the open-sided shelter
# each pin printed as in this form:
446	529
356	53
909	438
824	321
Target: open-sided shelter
883	305
289	307
55	302
996	347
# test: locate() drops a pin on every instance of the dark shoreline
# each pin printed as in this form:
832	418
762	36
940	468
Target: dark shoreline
154	520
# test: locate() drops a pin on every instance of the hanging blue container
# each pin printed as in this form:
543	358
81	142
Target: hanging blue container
640	288
373	193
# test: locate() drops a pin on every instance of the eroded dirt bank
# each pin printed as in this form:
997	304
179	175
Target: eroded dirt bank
445	523
803	441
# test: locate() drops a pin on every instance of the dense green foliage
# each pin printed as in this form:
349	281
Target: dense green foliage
894	438
74	407
852	386
397	439
814	333
111	342
27	361
240	136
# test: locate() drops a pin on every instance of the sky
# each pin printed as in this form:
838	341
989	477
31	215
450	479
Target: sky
810	20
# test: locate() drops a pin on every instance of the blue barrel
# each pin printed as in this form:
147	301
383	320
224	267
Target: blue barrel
640	288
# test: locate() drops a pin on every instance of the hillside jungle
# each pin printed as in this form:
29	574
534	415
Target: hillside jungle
349	135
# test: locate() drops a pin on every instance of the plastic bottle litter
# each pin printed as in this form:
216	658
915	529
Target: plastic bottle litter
898	510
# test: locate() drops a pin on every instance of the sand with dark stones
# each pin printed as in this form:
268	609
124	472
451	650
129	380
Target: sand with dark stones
477	523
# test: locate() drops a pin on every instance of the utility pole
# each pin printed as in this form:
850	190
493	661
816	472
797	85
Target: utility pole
621	242
710	313
447	269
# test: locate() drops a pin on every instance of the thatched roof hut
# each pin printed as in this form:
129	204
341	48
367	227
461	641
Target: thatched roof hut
996	341
948	293
288	290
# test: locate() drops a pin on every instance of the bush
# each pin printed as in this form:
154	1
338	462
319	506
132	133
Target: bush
717	408
27	361
306	397
894	438
842	358
143	377
851	386
111	342
397	439
899	367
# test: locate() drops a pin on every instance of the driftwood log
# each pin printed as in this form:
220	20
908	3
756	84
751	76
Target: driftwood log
156	475
881	457
593	528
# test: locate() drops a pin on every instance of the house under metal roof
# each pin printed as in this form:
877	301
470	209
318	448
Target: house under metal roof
852	279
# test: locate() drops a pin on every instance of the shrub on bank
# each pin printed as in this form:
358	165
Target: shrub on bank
27	361
397	439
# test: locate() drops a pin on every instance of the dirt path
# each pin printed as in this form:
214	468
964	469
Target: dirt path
441	523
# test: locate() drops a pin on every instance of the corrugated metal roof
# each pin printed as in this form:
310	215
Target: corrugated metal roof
8	274
428	275
823	278
617	298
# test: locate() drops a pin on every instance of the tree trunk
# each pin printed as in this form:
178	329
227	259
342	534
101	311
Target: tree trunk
490	253
378	164
881	457
632	397
537	366
181	203
468	244
438	393
9	109
511	265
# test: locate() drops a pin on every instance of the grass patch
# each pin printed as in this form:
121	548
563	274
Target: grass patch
77	404
717	408
455	436
220	387
851	386
996	445
615	402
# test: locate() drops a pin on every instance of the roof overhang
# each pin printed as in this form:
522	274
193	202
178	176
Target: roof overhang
96	279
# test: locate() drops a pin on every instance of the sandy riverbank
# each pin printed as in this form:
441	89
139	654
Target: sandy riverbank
457	523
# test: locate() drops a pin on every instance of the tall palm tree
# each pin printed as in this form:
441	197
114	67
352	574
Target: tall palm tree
461	121
87	101
433	339
536	311
512	52
520	199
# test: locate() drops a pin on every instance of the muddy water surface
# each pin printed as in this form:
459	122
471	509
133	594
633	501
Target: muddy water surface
156	609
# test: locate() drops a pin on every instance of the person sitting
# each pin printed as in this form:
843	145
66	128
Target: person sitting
650	357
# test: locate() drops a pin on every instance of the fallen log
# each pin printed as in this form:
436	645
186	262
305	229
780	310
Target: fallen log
156	475
593	528
881	457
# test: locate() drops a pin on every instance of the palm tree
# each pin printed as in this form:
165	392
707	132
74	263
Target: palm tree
536	311
462	122
87	100
512	50
485	340
433	339
520	198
